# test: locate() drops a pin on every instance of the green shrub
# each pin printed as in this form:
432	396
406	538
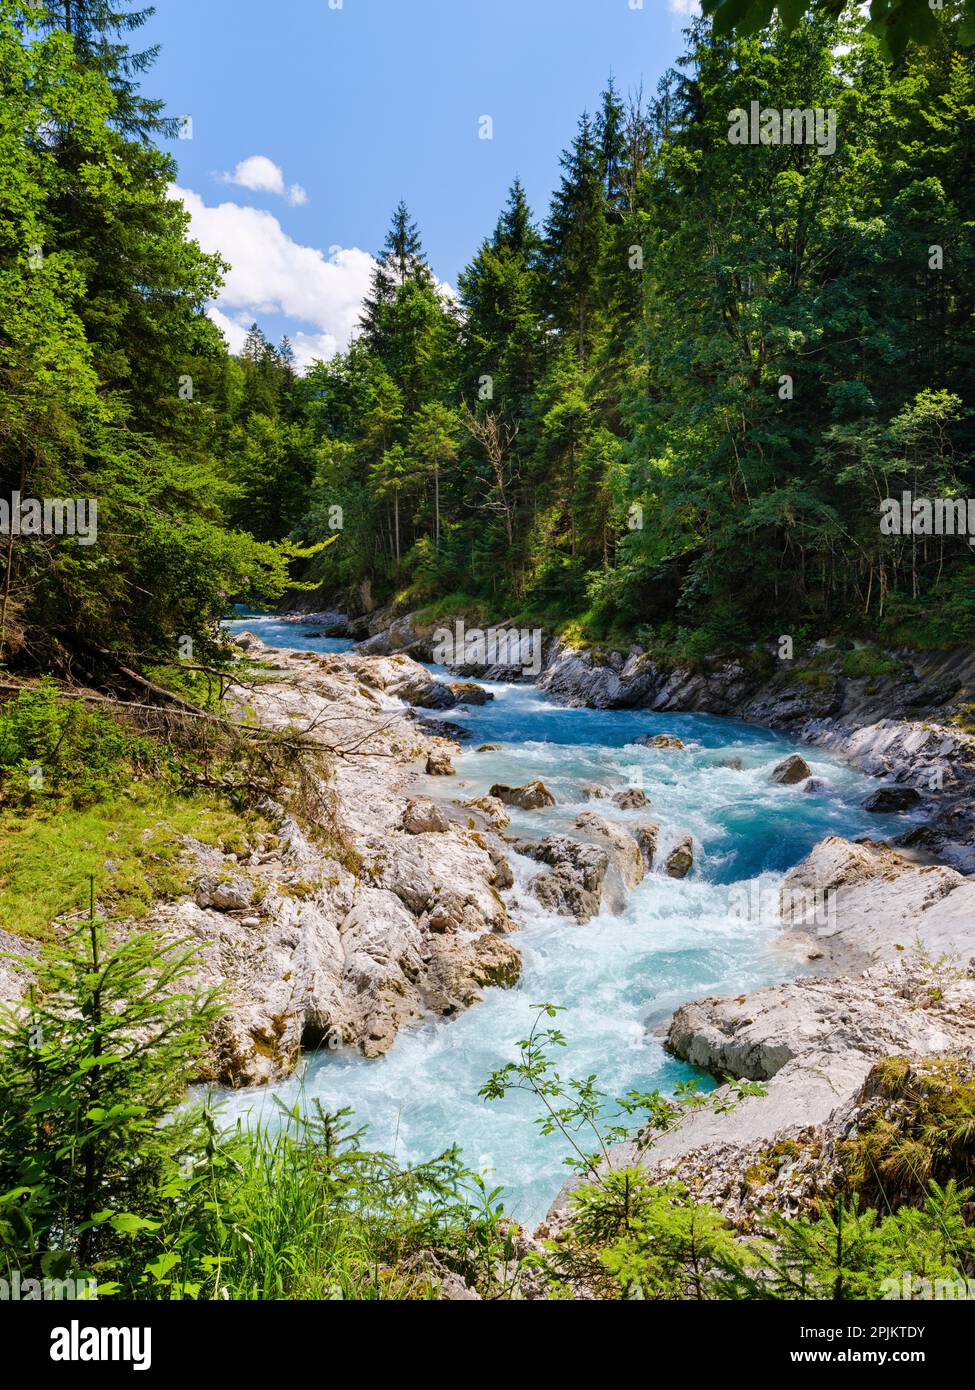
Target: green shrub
868	661
54	749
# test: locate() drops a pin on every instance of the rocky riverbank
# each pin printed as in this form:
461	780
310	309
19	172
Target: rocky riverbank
898	981
386	908
901	716
895	956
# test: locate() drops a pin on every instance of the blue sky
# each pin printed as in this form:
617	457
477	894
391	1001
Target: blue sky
310	122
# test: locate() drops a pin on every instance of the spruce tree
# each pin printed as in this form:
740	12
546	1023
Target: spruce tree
98	29
575	234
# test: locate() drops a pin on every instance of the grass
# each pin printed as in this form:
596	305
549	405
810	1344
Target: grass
131	843
868	661
474	611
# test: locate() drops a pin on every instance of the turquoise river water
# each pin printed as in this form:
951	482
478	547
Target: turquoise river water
618	977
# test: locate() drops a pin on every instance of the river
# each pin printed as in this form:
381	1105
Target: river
618	977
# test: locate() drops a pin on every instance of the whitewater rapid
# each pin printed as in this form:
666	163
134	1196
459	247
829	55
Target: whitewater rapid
618	977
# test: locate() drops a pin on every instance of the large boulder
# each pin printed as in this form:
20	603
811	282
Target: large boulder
615	681
439	765
889	799
619	844
470	694
492	810
791	770
574	886
233	893
531	797
870	903
681	858
424	693
633	799
646	836
658	741
424	817
460	971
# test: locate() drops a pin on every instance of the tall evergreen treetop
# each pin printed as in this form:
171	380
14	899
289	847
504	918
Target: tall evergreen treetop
98	29
515	229
401	262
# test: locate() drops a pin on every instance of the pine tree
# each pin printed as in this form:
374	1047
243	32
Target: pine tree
499	292
611	133
401	262
97	28
575	234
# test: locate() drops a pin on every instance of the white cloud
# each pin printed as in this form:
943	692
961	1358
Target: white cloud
272	274
308	346
232	330
688	9
262	175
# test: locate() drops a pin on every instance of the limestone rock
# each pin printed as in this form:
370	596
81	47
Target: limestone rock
646	836
424	693
225	895
681	858
531	797
439	765
623	850
574	887
492	808
632	799
658	741
469	694
888	799
424	817
791	770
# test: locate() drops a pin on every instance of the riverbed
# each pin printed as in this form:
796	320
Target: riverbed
618	977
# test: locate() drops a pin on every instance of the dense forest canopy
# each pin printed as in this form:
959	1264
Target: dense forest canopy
671	405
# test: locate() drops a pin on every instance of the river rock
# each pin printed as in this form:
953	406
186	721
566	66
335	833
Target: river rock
889	799
879	906
488	748
658	741
574	887
646	836
623	850
791	770
462	971
439	765
592	791
424	693
681	858
632	799
234	894
491	808
424	817
367	928
470	694
618	681
533	796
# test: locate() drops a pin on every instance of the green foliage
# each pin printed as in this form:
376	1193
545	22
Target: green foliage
922	1128
628	460
866	662
90	1076
106	1173
101	307
55	750
896	23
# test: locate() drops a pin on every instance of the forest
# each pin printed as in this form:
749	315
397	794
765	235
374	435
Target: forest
669	406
